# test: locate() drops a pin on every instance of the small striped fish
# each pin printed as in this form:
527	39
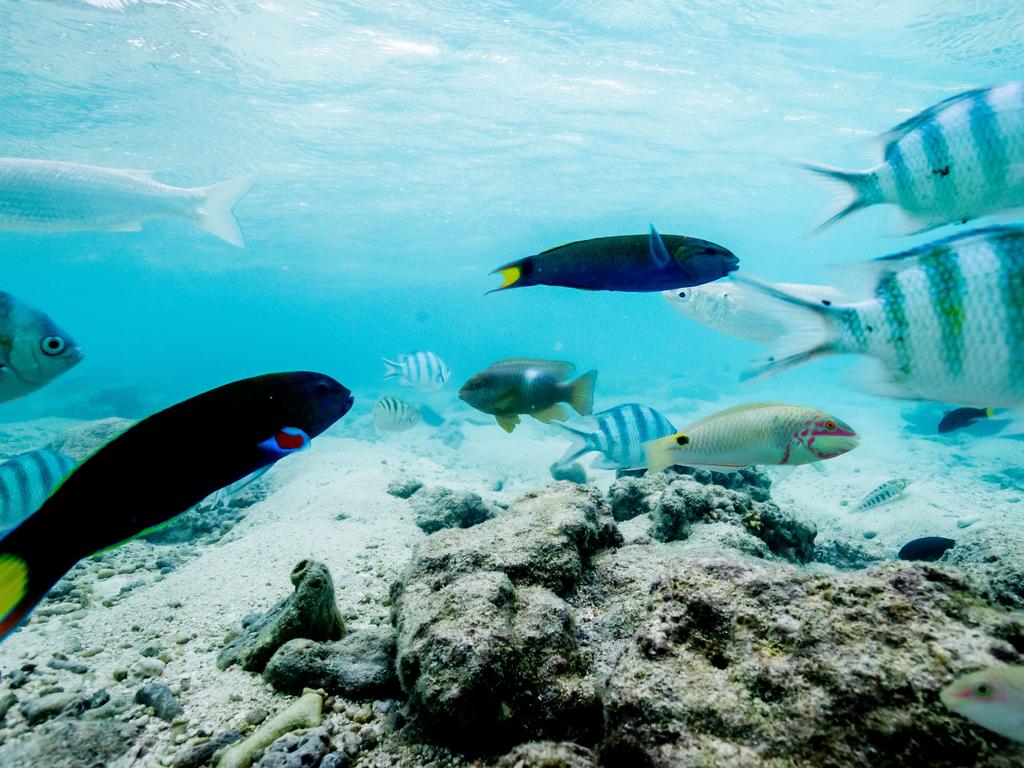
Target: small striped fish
26	481
946	321
757	434
619	434
422	370
955	161
392	414
887	491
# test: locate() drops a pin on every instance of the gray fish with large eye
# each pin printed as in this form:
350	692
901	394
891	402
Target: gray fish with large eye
34	350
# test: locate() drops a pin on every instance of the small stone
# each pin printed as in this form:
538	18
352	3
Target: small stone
966	522
403	487
120	673
69	666
869	534
336	760
159	697
45	707
574	473
297	751
7	701
144	668
305	712
106	573
256	716
182	637
440	507
199	754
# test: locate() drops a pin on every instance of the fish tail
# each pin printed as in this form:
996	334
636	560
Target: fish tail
218	200
809	335
580	445
659	454
513	274
581	394
392	370
990	412
19	591
858	189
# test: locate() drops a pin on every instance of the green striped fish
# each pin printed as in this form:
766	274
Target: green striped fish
955	161
887	491
946	321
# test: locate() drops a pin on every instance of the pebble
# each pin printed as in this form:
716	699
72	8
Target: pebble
966	522
71	666
144	668
869	534
120	673
45	707
256	716
159	697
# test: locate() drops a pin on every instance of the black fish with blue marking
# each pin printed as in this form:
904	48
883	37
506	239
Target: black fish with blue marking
173	460
633	263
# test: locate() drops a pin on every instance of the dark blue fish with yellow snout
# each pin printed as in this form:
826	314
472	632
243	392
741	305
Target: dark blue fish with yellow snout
173	460
631	263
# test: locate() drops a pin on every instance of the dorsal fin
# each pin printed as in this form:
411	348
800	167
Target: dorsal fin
893	135
737	409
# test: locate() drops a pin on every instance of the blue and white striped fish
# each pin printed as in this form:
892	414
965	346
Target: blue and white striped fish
26	481
422	370
392	414
955	161
619	434
946	321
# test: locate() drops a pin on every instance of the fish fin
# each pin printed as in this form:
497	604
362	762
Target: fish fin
136	173
214	212
579	446
392	370
126	226
581	396
896	133
603	462
508	423
511	274
431	417
661	454
990	412
856	191
659	251
808	336
17	597
553	412
904	224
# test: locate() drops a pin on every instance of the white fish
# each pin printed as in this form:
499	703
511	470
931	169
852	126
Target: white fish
945	321
26	480
756	434
51	196
618	434
34	350
392	414
887	491
422	370
957	160
993	698
738	310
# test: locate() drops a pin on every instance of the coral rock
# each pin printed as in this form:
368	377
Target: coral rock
438	508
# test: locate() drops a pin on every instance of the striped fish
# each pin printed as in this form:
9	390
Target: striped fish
887	491
757	434
955	161
619	434
26	481
946	321
422	370
391	414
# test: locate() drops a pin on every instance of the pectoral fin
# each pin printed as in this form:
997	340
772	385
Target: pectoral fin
508	423
659	251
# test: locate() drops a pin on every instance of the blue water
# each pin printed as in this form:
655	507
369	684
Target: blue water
404	150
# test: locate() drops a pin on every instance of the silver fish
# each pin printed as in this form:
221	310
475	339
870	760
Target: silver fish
392	414
26	481
422	370
52	196
618	434
34	350
737	310
945	322
955	161
887	491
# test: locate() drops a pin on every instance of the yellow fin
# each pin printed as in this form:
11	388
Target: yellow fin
510	275
13	582
551	413
661	453
508	423
581	396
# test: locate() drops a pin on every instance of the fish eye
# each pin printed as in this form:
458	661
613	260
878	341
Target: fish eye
682	440
983	689
52	345
830	425
321	389
682	294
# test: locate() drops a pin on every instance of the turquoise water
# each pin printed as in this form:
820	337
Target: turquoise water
405	150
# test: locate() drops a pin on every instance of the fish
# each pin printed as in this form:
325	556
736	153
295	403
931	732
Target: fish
186	452
887	491
928	548
618	434
963	417
26	480
944	322
958	160
54	196
34	350
523	385
422	370
754	434
634	263
391	414
993	698
730	308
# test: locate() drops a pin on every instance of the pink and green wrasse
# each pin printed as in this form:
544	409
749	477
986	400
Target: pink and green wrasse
752	435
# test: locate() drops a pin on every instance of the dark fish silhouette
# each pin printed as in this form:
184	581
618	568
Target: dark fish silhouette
637	263
963	417
929	548
172	460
